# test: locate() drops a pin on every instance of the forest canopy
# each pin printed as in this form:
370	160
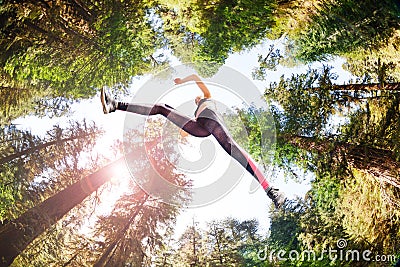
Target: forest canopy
342	136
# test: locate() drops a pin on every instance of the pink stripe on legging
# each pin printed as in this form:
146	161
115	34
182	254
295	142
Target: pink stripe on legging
257	172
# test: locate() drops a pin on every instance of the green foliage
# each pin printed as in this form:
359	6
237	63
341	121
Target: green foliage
69	50
377	66
20	100
317	30
233	26
306	101
376	122
287	243
369	217
285	228
257	131
212	30
190	248
254	129
339	28
268	62
321	226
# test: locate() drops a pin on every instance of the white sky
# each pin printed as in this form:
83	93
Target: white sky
238	203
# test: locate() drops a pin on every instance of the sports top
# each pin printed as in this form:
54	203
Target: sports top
205	103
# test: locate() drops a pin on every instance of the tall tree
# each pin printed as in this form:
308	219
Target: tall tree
29	159
135	228
138	217
190	251
37	219
309	103
339	157
374	161
311	99
114	254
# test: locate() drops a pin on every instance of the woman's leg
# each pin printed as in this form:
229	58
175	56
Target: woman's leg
184	122
232	148
212	123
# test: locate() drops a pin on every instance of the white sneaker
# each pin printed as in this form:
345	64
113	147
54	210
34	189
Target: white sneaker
109	104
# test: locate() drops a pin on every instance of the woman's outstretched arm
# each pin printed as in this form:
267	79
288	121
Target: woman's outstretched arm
198	81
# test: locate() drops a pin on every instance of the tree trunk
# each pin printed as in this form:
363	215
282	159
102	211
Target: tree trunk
51	37
368	87
220	256
16	235
82	10
380	163
30	150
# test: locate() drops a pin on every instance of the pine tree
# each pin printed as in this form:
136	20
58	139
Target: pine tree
191	250
27	160
140	220
36	220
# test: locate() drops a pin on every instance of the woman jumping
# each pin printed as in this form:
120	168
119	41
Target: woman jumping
206	123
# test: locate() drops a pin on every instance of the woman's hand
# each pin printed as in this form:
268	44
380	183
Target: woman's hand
178	81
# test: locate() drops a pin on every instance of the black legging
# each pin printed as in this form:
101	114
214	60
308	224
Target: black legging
207	123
